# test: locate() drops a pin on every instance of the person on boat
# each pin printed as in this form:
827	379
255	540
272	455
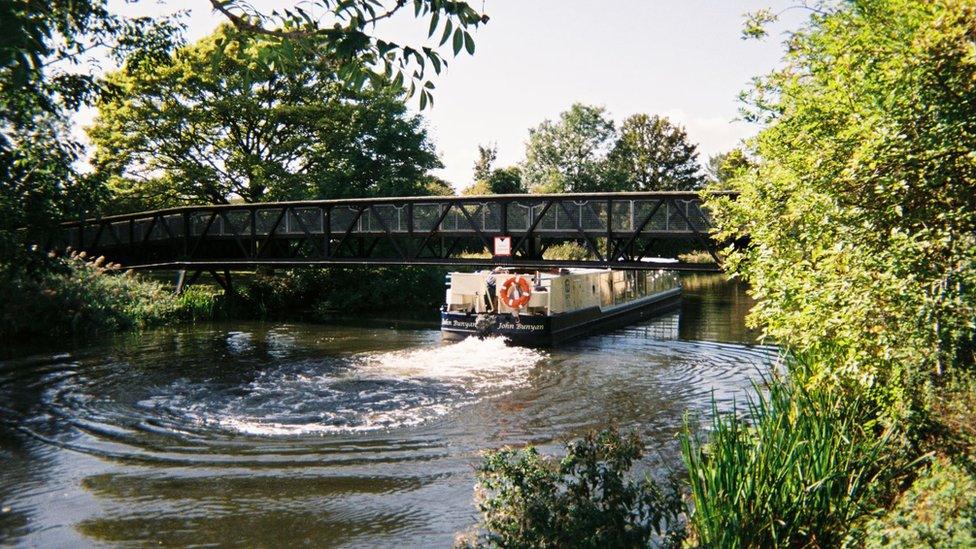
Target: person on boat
492	282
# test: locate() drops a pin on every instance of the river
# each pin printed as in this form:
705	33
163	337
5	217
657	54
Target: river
358	434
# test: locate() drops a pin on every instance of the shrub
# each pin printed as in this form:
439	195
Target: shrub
804	468
568	251
939	510
75	295
201	303
583	500
320	293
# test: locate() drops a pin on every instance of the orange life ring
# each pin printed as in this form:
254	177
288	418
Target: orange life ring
516	292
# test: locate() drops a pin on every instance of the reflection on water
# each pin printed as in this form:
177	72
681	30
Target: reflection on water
272	434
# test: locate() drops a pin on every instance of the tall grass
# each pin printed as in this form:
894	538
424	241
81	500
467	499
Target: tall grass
801	472
77	295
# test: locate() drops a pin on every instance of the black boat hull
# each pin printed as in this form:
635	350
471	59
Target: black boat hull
534	330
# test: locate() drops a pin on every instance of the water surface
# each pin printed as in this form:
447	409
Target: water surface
270	434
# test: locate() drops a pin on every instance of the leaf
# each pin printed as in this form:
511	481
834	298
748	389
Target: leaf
447	32
469	43
433	24
423	100
458	41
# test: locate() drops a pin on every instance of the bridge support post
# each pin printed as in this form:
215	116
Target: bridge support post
224	281
182	283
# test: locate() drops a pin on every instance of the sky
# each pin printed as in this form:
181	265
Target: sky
684	59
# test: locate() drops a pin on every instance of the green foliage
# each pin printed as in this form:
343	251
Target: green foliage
653	154
322	293
200	302
501	181
939	510
568	251
569	155
506	181
582	500
861	211
435	186
584	152
213	122
722	167
488	180
486	157
804	468
346	34
43	44
70	296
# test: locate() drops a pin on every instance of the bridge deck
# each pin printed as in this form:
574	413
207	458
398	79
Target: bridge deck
618	229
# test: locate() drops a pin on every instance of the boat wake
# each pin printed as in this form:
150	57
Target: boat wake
374	390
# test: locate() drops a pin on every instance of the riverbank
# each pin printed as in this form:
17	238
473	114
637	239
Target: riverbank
78	295
52	297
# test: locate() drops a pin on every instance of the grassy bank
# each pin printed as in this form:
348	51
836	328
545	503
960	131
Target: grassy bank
68	296
797	466
81	295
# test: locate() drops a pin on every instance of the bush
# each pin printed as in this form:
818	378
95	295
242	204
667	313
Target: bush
939	510
583	500
73	295
800	473
201	303
860	210
320	293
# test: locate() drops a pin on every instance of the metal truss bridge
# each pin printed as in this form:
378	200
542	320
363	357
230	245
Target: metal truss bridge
620	230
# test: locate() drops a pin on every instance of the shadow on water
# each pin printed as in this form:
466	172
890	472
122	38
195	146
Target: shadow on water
269	434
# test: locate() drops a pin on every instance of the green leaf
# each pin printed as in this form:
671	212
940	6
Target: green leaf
458	41
469	43
447	32
423	100
433	24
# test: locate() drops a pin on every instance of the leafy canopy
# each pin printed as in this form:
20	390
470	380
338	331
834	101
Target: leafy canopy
213	122
652	154
42	78
489	180
569	154
346	32
582	151
861	211
722	167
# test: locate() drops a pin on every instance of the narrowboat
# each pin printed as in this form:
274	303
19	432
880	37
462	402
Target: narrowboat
542	308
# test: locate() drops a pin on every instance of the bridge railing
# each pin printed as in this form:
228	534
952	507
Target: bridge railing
620	217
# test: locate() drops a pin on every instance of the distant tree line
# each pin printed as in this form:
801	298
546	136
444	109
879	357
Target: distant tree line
584	151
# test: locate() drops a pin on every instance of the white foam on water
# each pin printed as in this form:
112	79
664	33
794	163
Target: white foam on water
460	373
470	359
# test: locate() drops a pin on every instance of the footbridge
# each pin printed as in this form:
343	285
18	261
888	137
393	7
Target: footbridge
620	230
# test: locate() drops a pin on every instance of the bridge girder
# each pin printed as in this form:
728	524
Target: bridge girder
620	230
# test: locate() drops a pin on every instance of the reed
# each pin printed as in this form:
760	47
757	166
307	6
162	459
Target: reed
801	471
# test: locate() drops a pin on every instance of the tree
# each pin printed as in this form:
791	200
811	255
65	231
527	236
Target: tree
652	154
486	157
44	43
506	181
211	123
501	181
570	154
861	210
723	167
346	34
435	186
